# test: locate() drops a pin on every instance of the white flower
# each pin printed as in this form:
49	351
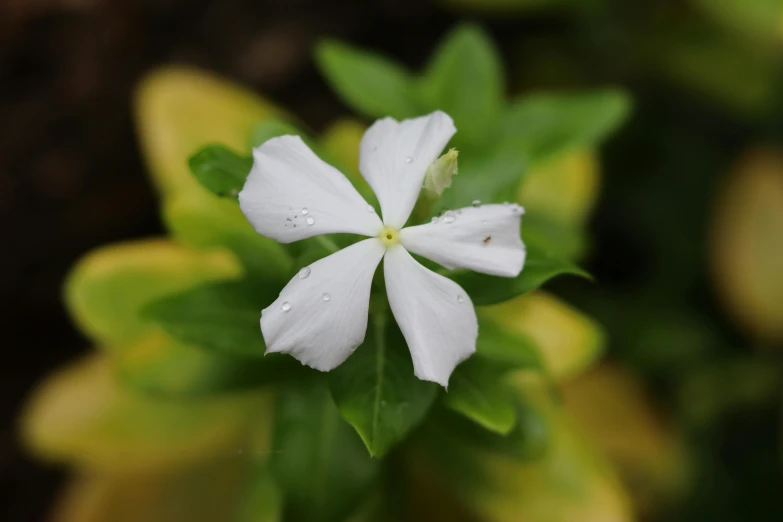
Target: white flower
321	315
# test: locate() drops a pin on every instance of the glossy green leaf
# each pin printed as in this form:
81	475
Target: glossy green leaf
220	316
479	391
465	79
377	392
371	84
540	266
544	125
220	170
318	460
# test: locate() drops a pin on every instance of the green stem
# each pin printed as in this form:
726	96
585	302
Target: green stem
379	330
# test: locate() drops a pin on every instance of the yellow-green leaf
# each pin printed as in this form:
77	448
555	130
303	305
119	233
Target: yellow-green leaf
81	415
568	340
106	289
747	244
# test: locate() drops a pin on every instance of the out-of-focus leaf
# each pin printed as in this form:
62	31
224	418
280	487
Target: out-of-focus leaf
106	290
545	125
318	460
262	500
371	84
221	316
757	20
710	63
202	493
83	416
505	348
559	239
540	266
377	392
564	188
503	6
465	79
747	244
220	170
612	409
490	177
341	141
568	341
479	391
273	127
179	110
206	225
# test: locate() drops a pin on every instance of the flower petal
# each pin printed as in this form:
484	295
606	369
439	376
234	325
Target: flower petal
485	239
394	157
321	315
435	315
291	194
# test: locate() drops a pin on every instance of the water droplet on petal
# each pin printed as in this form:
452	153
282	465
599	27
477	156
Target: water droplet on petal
370	208
326	297
476	203
303	273
435	219
505	203
310	220
460	299
448	217
375	148
459	211
305	211
286	306
408	160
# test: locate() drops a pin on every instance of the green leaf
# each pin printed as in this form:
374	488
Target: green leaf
273	127
465	79
220	170
223	317
540	266
371	84
544	125
479	391
506	349
377	392
317	458
262	500
490	177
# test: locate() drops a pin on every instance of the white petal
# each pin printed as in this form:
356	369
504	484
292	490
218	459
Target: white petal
435	315
291	194
485	239
320	319
394	157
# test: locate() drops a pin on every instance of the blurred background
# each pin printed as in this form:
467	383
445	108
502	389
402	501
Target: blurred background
686	238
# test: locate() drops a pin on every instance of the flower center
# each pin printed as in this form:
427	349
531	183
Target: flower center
389	236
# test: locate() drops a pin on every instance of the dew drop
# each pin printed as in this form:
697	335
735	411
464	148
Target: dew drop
303	273
310	220
448	217
435	219
476	203
460	299
370	209
408	160
375	149
305	211
506	203
286	306
326	297
459	211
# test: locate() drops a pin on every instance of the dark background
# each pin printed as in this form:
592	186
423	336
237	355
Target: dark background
71	176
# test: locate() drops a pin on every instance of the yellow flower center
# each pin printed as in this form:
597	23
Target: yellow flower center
389	236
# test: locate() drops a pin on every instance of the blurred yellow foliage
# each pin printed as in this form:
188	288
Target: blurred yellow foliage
747	244
564	188
568	340
612	409
82	416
